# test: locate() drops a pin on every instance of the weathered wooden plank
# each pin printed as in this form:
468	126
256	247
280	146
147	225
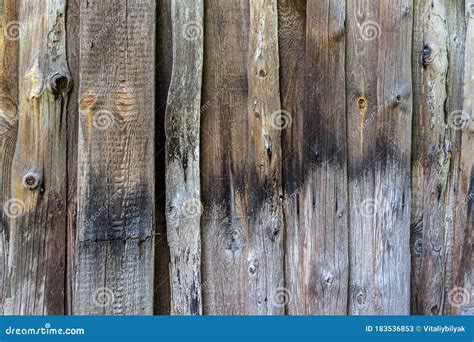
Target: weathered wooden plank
431	156
8	124
316	201
241	160
292	50
183	189
37	254
440	222
460	283
114	246
379	113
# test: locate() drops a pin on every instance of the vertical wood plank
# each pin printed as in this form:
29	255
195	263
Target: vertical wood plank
114	246
379	111
318	234
460	291
183	190
241	160
437	66
8	125
292	49
431	155
37	253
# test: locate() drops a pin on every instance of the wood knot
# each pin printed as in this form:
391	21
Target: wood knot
235	240
262	73
427	56
253	267
59	83
124	102
31	180
87	101
361	103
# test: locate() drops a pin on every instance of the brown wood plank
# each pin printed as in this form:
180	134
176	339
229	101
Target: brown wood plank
37	251
114	245
379	114
183	190
241	160
319	238
8	125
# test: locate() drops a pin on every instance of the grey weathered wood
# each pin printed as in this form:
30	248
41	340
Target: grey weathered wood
183	190
379	113
317	200
36	260
460	289
442	159
241	160
114	246
432	157
8	124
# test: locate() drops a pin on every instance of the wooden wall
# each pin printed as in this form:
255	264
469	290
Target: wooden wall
261	157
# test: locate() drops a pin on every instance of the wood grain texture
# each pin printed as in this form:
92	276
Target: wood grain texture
440	221
431	156
292	49
36	260
241	160
114	245
460	289
317	227
183	189
8	124
379	113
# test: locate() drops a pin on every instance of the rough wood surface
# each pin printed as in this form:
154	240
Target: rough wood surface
114	247
431	156
379	111
317	200
241	160
183	189
8	124
36	258
460	293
